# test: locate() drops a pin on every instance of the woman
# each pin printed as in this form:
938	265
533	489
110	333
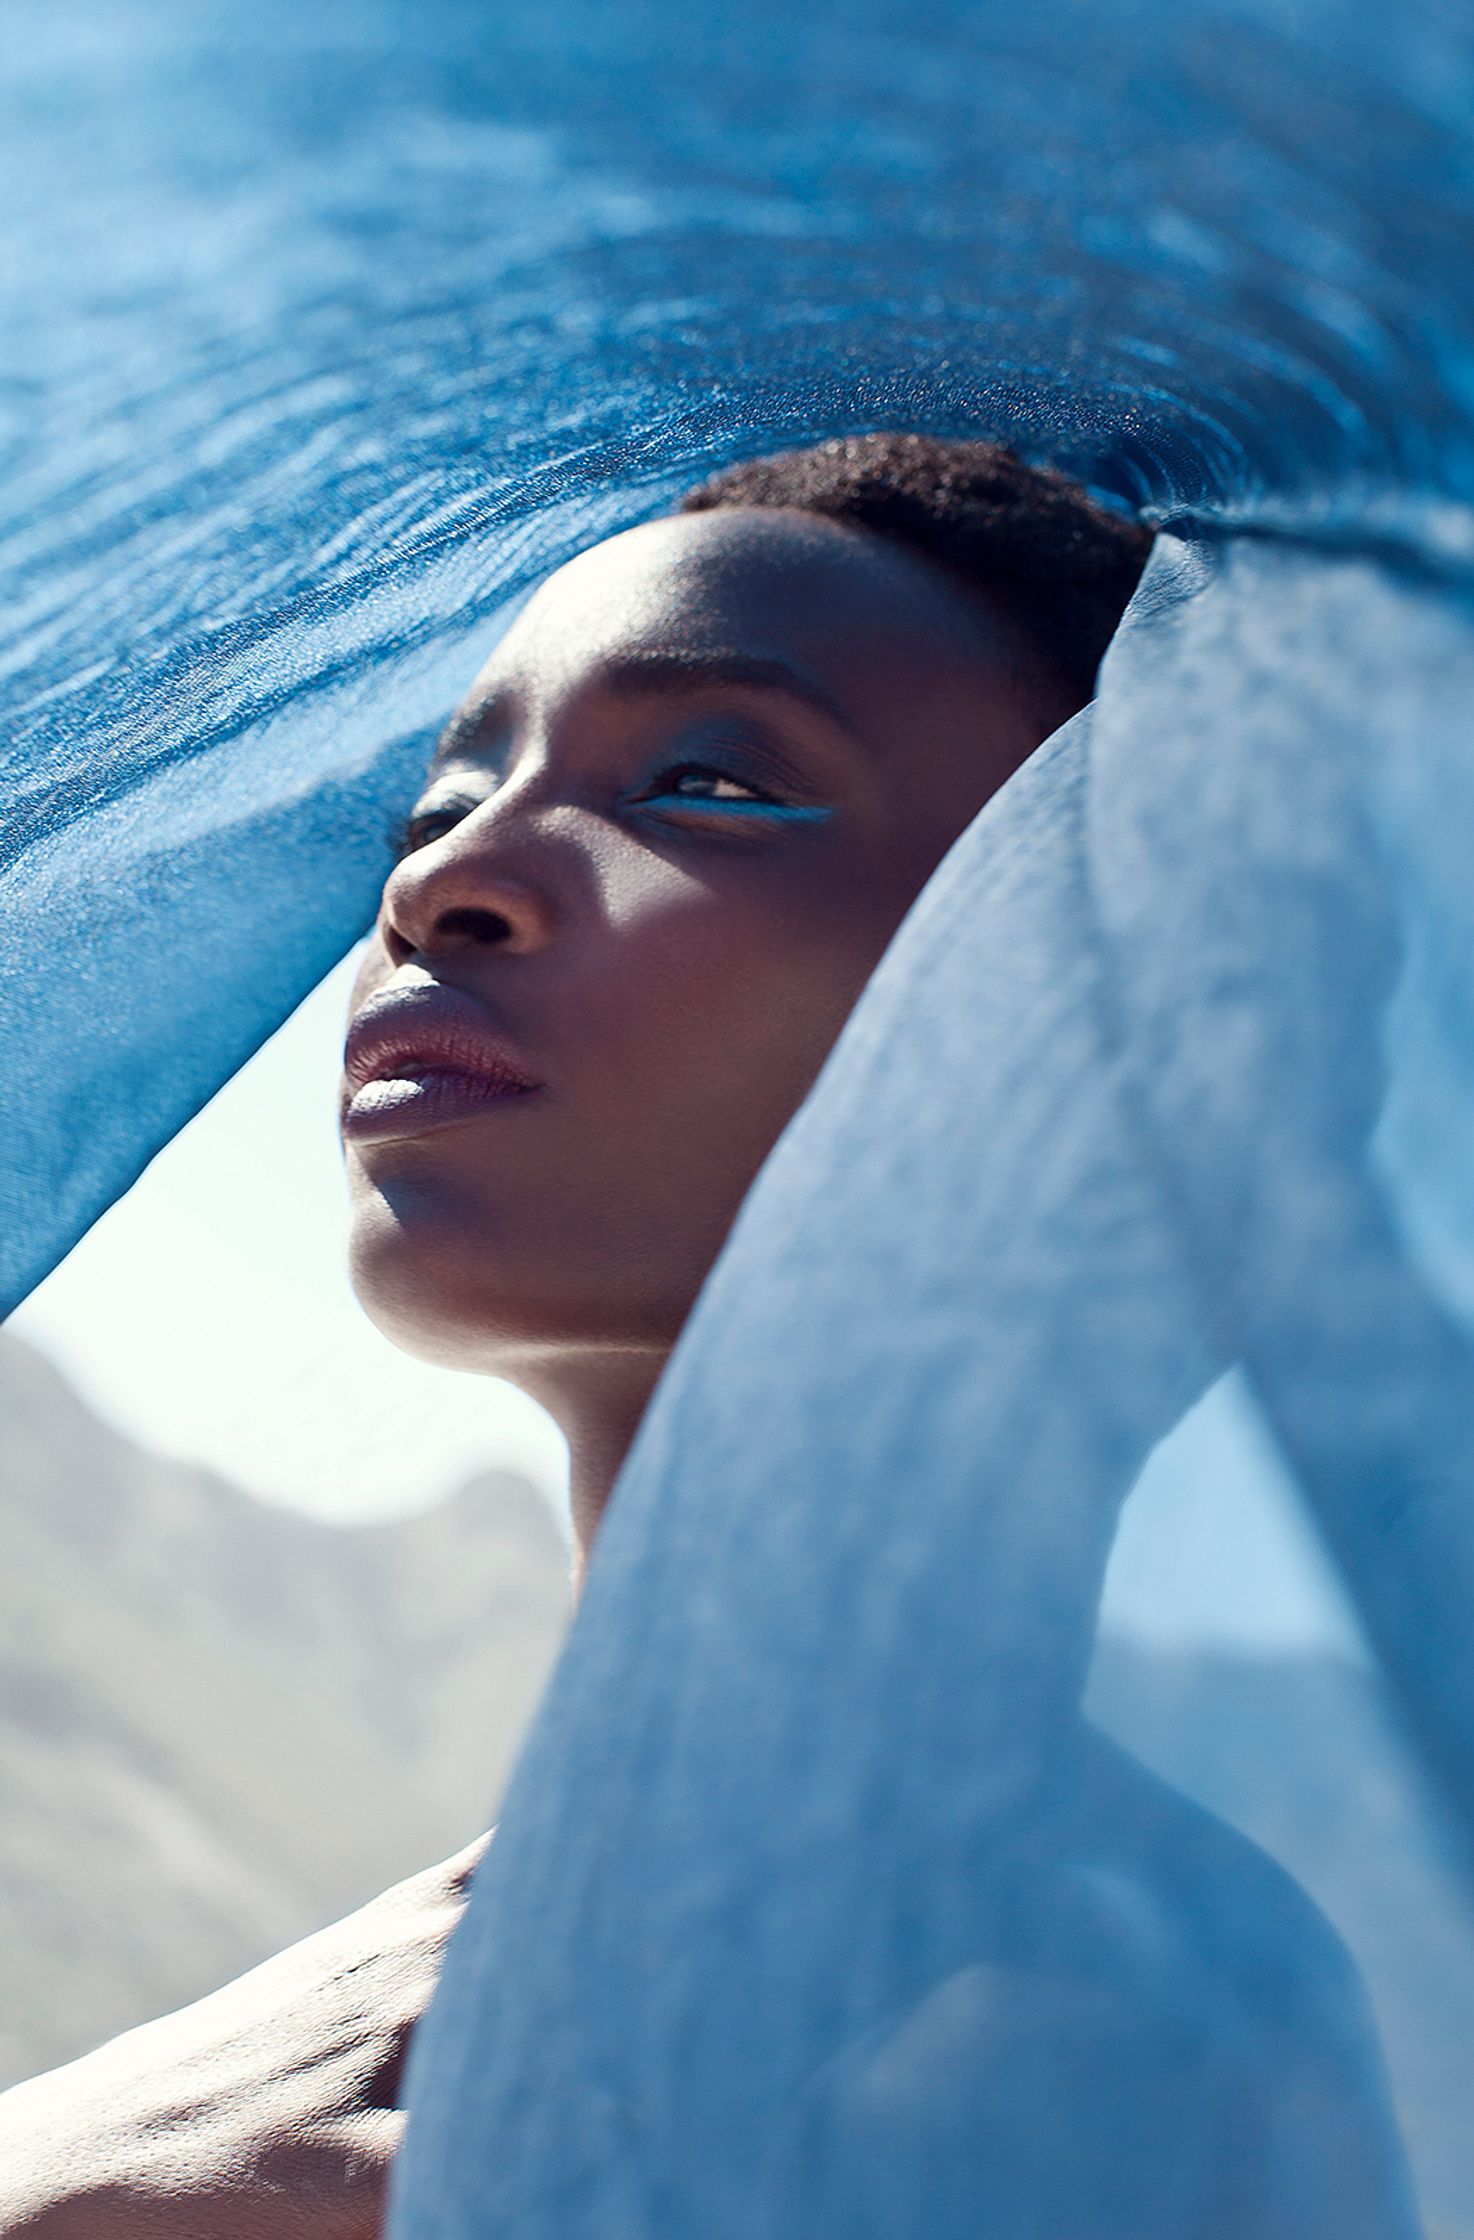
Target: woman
662	846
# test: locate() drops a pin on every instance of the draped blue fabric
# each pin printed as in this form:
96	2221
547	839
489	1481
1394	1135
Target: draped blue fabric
825	1915
814	1909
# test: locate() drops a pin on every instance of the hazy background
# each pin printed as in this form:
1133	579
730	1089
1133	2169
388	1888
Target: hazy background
277	1603
209	1317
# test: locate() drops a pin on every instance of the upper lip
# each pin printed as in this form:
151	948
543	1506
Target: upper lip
426	1029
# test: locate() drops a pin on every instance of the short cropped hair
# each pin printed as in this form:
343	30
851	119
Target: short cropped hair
1034	544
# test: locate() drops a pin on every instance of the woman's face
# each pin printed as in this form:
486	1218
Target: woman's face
662	846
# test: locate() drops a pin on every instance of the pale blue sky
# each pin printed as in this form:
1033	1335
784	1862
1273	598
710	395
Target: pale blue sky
208	1314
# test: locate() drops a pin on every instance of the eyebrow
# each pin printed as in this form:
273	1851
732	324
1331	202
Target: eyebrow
685	672
636	673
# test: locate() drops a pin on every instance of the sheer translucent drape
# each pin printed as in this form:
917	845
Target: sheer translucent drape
323	333
815	1907
827	1913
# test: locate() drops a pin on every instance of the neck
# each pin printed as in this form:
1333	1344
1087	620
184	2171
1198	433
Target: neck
597	1400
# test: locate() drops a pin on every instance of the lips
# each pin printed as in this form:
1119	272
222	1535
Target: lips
425	1057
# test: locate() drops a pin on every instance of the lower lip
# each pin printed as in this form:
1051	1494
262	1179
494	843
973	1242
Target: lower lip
416	1104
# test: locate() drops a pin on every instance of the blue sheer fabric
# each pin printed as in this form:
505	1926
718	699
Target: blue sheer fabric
814	1908
827	1914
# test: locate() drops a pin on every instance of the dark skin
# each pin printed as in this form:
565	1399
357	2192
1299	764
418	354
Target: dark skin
659	891
665	842
663	845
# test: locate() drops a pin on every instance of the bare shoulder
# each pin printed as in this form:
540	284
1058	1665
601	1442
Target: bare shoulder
1142	2029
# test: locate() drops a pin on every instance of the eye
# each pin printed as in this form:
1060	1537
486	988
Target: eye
702	791
425	825
694	781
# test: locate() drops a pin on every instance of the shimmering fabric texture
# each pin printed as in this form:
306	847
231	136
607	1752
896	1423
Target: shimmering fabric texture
815	1909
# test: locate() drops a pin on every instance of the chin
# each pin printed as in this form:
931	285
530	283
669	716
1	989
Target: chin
421	1280
430	1277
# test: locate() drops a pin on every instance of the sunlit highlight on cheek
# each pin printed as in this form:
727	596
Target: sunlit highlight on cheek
638	892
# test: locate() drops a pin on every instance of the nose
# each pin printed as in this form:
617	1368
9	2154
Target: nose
464	891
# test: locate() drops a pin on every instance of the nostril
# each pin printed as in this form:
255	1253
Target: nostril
487	927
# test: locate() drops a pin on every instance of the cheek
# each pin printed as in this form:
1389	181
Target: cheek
681	1040
703	1006
373	969
710	1026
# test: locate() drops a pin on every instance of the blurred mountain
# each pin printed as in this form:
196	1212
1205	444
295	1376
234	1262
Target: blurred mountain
222	1724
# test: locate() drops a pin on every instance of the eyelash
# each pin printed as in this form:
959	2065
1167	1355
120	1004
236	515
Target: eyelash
668	785
411	834
417	831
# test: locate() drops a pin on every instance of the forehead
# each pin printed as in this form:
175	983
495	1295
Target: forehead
841	608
